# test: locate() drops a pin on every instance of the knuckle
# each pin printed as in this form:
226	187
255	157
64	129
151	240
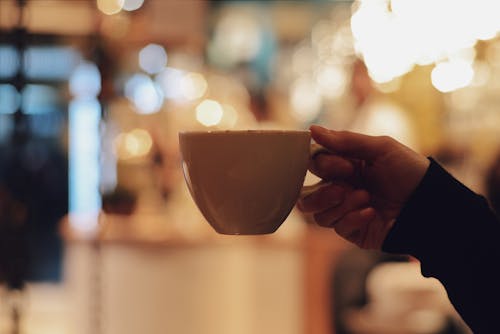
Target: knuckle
360	196
333	193
319	218
322	219
385	140
364	196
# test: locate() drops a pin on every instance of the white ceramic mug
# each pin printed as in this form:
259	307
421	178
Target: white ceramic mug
245	182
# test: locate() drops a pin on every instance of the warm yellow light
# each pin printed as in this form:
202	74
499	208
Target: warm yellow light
394	35
229	117
452	75
193	86
133	144
110	7
305	98
482	73
237	37
381	38
486	24
332	80
138	142
209	112
390	86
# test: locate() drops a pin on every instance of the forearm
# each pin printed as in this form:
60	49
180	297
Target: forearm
454	234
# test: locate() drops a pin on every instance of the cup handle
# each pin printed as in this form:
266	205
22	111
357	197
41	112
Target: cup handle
317	149
309	189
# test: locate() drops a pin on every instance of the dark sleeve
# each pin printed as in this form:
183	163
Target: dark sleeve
455	235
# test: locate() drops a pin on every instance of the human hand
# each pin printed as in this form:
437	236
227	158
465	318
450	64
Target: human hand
370	180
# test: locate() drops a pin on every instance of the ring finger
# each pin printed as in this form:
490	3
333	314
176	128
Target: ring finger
353	200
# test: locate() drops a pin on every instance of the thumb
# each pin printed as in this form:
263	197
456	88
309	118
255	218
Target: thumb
349	144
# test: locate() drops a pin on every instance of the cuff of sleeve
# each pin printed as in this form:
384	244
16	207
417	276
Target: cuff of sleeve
438	208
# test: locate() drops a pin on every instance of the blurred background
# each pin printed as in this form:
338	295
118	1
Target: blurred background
98	233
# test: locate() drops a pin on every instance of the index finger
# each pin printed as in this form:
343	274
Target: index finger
331	167
349	144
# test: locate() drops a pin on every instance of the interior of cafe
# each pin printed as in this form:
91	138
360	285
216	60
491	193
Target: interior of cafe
98	231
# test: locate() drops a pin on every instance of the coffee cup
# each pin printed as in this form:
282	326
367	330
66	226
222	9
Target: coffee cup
245	181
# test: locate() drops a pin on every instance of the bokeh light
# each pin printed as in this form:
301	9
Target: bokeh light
110	7
391	37
153	58
40	99
85	81
305	98
168	80
134	144
229	116
145	94
10	98
84	117
209	112
180	85
237	37
332	80
452	75
9	57
50	62
193	86
131	5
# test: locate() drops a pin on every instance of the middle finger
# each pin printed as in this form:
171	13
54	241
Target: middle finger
331	167
353	200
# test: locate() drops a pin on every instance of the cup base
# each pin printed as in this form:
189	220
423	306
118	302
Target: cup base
243	233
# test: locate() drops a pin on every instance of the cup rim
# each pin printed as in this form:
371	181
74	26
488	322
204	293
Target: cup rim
249	131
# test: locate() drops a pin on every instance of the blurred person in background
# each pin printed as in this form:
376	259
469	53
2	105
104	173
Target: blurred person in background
383	195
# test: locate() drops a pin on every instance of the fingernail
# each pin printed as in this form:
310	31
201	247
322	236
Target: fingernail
368	213
318	129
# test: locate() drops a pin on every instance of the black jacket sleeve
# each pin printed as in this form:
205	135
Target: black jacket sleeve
456	237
